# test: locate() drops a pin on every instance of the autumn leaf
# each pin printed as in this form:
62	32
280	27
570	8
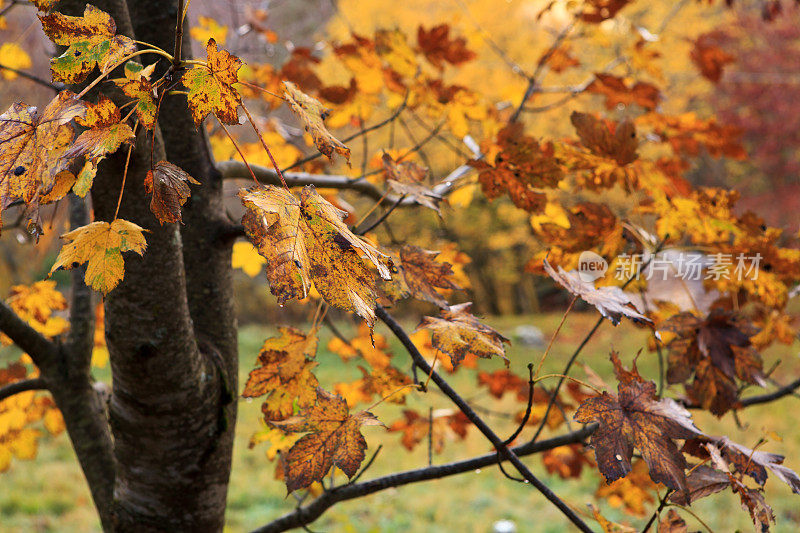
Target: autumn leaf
458	333
617	92
421	276
32	146
709	57
637	418
612	302
210	86
615	141
633	492
333	438
101	244
312	113
169	185
92	40
672	523
305	241
717	350
247	258
441	426
521	168
284	374
408	179
372	347
37	304
136	85
13	56
439	48
105	135
208	28
607	525
560	59
566	461
596	11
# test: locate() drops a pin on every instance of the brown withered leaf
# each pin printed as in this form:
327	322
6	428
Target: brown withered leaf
105	135
419	275
501	381
457	333
709	57
285	373
717	350
408	179
169	185
439	48
313	114
612	302
617	92
566	461
520	169
596	11
333	439
702	481
744	460
635	417
632	493
211	88
32	145
615	141
443	425
304	240
560	59
672	523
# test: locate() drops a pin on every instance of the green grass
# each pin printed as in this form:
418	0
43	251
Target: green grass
49	494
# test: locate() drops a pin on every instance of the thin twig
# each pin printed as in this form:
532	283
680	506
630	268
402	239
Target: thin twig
40	81
527	415
382	218
496	441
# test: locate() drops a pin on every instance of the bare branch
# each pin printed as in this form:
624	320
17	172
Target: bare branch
496	441
31	77
41	350
238	170
309	513
22	386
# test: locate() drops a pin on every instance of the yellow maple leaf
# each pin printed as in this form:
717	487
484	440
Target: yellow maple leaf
12	55
208	28
101	245
211	86
246	257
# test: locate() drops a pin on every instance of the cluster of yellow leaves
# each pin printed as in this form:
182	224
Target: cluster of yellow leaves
18	413
36	304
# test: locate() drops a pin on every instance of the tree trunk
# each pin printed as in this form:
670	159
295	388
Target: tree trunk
171	334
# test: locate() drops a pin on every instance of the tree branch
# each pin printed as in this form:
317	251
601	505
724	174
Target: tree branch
22	386
238	170
305	515
31	77
496	441
41	350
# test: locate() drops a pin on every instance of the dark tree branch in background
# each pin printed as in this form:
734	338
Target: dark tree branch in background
496	441
42	351
238	170
786	390
381	218
22	386
309	513
35	79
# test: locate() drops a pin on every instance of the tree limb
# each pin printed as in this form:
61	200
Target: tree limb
41	350
238	170
22	386
309	513
496	441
